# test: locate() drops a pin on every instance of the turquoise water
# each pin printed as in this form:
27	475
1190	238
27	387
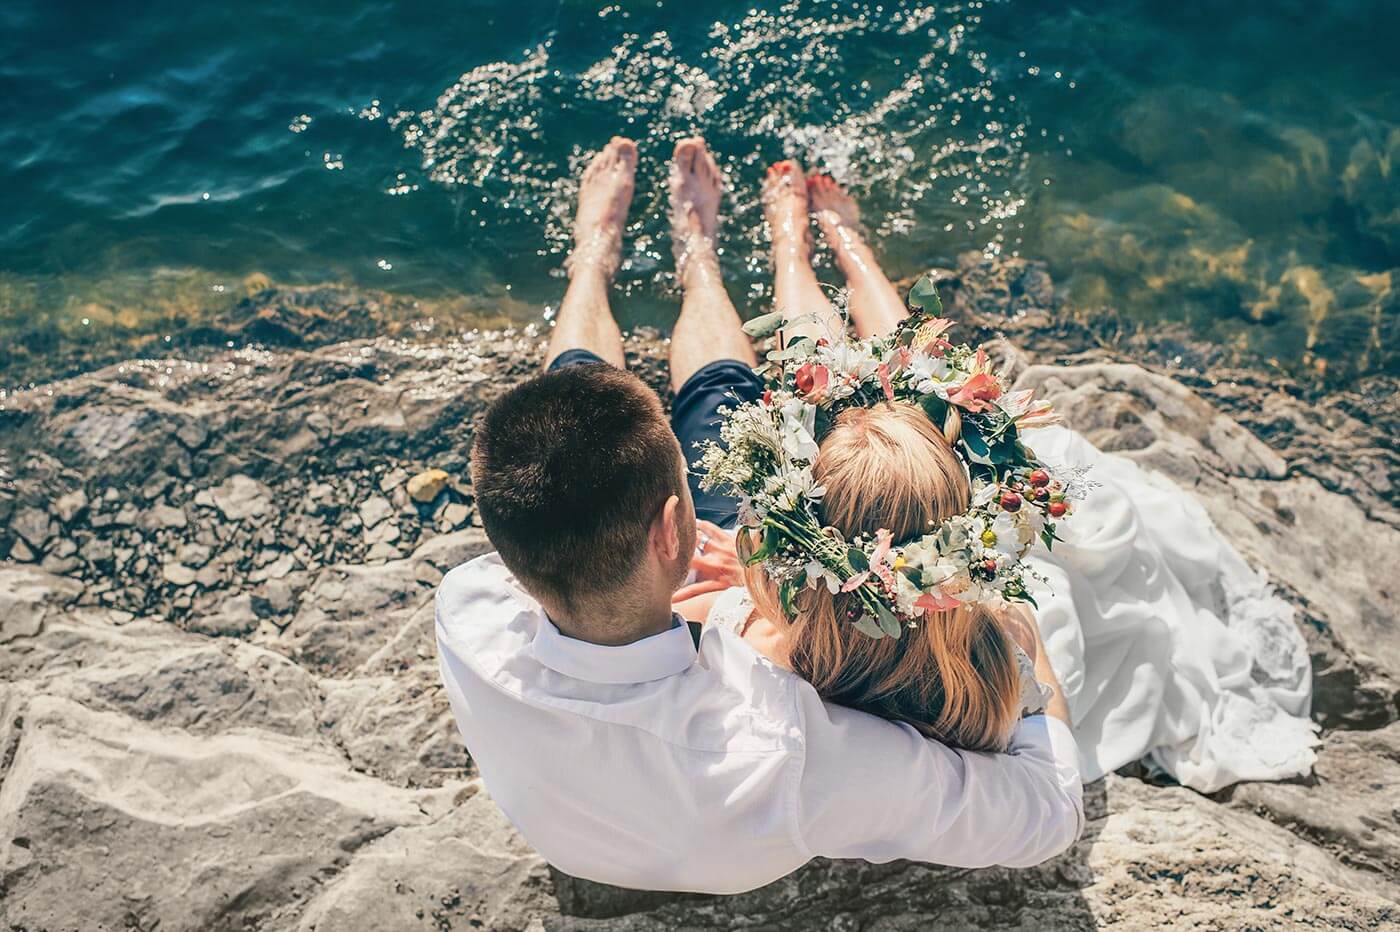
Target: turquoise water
1231	166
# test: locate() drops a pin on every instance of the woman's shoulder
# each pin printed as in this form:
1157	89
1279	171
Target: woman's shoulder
731	609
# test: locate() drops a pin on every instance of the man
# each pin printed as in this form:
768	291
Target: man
628	746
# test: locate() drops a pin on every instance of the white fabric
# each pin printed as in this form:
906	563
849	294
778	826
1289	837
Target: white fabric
717	771
1167	643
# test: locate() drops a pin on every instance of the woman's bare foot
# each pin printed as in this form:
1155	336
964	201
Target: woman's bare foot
785	208
604	193
796	290
696	187
876	307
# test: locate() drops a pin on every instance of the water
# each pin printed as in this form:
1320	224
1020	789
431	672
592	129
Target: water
1231	166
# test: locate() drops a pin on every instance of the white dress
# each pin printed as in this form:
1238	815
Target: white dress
1169	647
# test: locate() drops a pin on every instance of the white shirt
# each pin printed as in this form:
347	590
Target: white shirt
656	766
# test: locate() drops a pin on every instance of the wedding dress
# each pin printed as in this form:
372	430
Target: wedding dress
1170	648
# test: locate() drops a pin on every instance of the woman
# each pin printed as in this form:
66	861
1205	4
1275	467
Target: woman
1169	647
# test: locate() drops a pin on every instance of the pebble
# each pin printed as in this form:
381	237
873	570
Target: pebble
163	515
178	574
241	496
374	510
20	552
393	479
426	486
456	514
68	506
34	525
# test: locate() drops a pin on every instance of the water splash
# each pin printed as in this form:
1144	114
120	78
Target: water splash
895	100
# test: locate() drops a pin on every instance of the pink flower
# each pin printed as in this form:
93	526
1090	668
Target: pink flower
883	371
812	381
977	393
855	582
932	334
936	601
1039	414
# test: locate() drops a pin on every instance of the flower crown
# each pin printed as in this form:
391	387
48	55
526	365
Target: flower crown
767	448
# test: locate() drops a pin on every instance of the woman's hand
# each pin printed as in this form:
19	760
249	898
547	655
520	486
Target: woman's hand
1020	626
717	568
716	564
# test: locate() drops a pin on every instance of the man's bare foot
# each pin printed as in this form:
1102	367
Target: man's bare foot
785	207
604	194
696	186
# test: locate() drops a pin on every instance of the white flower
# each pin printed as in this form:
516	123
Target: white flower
818	574
799	423
927	371
905	594
1008	536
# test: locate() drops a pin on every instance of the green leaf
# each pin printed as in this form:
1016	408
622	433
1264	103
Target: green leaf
772	542
786	593
764	325
936	409
866	626
858	560
976	447
924	295
888	623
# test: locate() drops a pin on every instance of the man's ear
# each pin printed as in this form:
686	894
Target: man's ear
666	529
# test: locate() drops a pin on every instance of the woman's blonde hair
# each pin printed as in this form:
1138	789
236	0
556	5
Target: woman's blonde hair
954	677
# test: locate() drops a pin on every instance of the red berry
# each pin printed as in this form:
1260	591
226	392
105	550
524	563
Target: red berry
1010	501
768	396
1039	493
989	565
823	341
1058	509
805	380
1039	477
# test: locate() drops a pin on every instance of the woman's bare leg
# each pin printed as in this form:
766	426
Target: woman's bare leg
796	290
876	307
709	328
585	318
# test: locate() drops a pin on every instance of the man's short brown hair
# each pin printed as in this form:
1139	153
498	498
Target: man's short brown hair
570	469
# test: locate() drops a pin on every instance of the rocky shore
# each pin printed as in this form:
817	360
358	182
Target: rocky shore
219	703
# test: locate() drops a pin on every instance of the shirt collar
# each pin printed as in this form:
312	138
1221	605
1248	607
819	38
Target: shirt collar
651	658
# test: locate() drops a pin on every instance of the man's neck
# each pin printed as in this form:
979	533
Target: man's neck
610	626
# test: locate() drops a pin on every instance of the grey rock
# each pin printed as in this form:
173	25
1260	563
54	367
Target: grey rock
29	596
374	510
1351	807
70	505
34	525
228	832
177	574
164	516
21	552
234	617
456	514
448	550
240	497
469	869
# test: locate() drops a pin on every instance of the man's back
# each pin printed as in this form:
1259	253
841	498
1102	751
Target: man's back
660	766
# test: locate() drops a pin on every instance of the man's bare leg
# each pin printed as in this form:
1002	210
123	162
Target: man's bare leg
585	319
796	290
709	328
876	307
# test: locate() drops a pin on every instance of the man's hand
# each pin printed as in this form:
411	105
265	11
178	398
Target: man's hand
716	563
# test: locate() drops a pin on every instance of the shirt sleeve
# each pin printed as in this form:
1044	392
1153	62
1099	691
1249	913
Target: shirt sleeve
879	790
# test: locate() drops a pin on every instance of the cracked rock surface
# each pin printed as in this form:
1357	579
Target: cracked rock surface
219	702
